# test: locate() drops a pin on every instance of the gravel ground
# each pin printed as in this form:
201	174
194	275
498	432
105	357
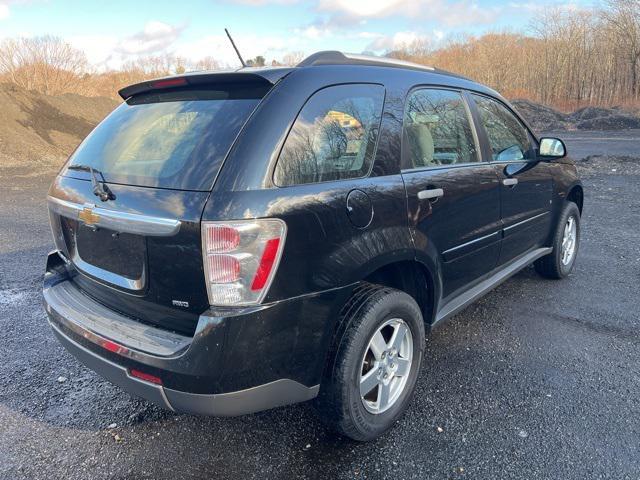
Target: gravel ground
539	379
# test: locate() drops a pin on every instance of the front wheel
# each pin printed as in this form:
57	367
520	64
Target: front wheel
559	263
377	357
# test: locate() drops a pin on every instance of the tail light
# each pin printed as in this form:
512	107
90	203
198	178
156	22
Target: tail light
241	258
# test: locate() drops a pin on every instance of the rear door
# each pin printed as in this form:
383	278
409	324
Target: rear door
158	153
453	196
526	184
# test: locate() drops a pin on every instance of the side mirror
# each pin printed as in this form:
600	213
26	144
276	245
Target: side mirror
552	148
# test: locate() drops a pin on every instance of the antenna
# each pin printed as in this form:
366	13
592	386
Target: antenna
235	48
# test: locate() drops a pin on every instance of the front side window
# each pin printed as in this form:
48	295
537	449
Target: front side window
437	130
508	138
334	136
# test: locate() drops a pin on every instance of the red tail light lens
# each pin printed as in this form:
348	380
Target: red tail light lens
240	259
147	377
266	264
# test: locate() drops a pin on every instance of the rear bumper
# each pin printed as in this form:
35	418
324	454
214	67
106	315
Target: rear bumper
239	360
262	397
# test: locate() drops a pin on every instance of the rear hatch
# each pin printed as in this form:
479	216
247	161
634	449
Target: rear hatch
158	154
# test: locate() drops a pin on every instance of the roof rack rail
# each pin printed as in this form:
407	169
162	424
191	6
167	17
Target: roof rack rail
334	57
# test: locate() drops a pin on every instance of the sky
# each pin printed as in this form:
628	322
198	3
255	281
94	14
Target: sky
115	31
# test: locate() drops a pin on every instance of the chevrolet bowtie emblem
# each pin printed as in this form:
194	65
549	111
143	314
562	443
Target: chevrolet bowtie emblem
88	217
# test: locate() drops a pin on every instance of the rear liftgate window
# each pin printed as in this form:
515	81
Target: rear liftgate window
173	139
334	136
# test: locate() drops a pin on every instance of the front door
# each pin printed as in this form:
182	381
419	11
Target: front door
526	186
453	196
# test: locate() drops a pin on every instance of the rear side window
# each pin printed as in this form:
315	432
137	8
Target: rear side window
173	139
508	138
334	136
437	130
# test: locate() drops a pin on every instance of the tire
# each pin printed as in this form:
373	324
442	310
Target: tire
552	265
339	402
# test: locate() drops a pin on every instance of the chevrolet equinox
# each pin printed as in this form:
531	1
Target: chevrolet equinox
230	242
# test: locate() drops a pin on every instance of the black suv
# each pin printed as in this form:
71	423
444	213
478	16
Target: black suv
229	242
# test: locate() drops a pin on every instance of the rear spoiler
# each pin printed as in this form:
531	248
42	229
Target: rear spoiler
244	75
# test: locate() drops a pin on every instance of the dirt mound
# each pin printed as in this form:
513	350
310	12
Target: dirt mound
546	119
610	122
542	118
589	113
43	130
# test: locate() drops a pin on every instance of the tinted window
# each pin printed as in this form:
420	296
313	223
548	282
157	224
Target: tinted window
437	129
508	138
174	139
334	136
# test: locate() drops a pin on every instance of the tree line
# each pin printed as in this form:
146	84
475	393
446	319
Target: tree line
50	65
567	59
571	58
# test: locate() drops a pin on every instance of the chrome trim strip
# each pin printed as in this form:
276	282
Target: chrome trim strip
105	275
515	225
471	242
123	222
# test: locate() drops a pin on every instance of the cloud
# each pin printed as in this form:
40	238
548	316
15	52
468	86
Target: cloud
99	49
250	46
533	7
156	37
313	32
260	3
5	12
448	13
385	43
5	7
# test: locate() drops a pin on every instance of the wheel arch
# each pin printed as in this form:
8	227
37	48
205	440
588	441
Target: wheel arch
576	195
413	277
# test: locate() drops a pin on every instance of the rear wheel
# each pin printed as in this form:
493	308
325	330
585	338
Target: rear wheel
559	263
377	357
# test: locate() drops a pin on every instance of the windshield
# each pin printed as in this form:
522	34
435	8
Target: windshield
175	139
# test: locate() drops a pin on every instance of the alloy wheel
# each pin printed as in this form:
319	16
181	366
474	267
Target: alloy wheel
386	365
569	241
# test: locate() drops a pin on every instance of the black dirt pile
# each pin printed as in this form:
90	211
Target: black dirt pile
43	130
546	119
613	165
540	117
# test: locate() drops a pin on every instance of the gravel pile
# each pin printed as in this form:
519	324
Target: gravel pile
543	118
42	130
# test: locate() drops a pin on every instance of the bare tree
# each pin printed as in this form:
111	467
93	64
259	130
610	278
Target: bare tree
292	58
207	63
572	58
622	19
47	64
569	59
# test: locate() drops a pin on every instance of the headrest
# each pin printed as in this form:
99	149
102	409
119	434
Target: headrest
423	118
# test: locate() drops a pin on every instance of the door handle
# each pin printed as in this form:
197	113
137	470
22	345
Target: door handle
430	193
510	182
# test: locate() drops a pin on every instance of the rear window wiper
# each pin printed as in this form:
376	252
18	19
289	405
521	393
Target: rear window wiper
100	188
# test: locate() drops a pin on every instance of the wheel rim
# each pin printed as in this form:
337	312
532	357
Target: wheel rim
569	241
386	365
